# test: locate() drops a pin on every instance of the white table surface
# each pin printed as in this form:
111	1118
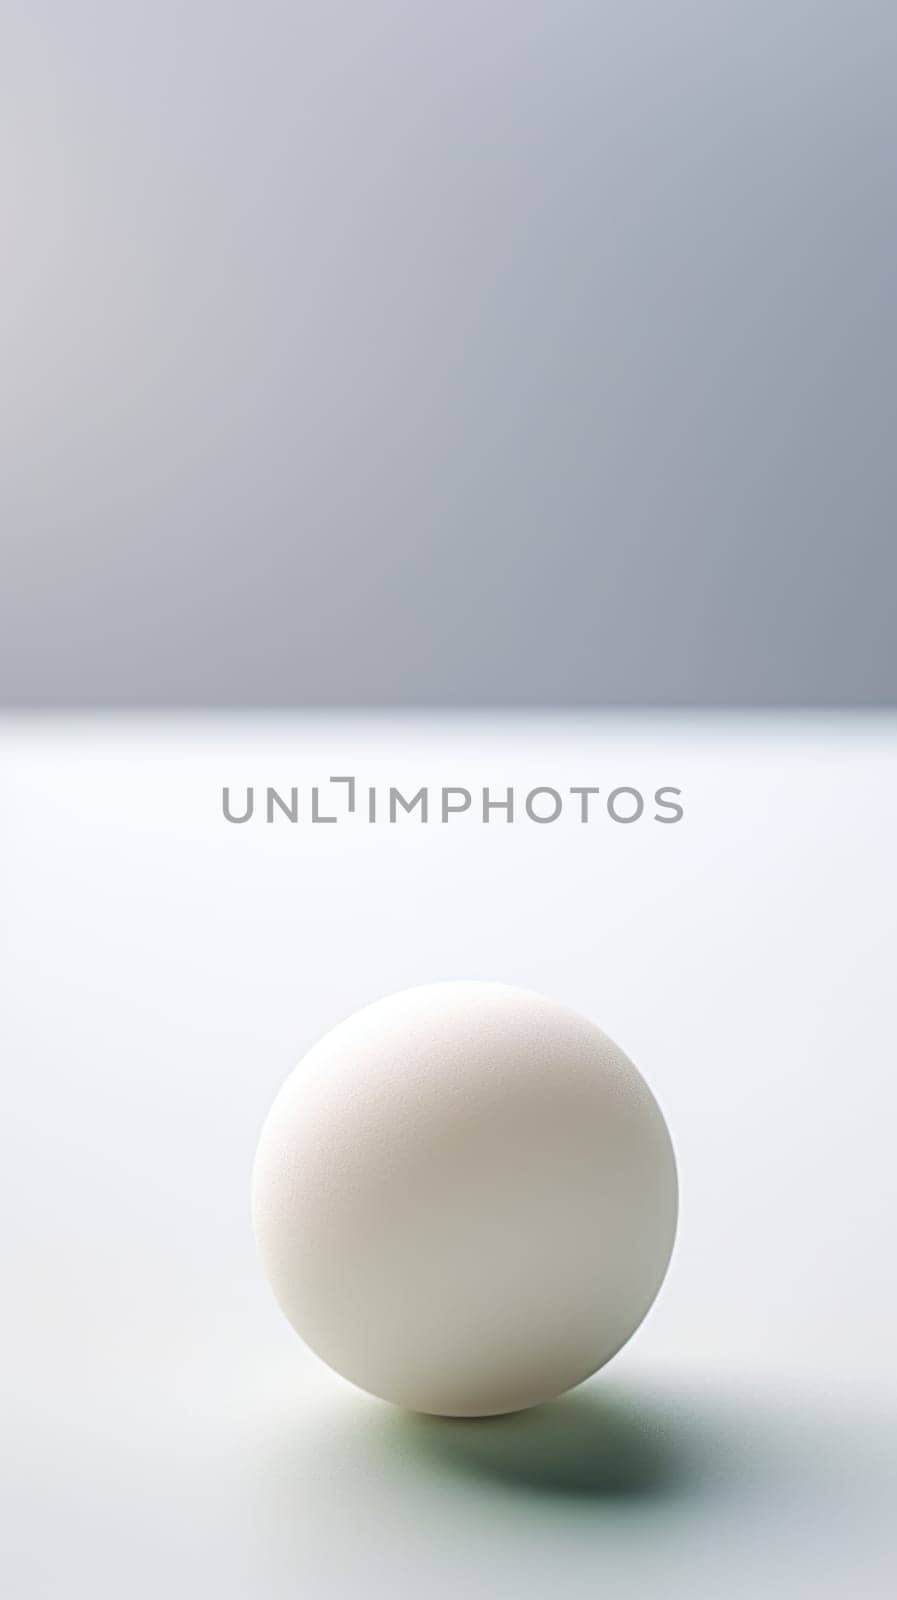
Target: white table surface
165	1432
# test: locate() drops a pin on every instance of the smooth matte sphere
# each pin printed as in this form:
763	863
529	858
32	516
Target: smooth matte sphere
465	1198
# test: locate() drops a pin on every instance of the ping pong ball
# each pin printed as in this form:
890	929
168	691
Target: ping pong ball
465	1198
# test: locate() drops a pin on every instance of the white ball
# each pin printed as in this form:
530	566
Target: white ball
465	1198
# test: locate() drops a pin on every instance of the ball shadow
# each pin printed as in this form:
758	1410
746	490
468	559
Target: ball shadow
586	1445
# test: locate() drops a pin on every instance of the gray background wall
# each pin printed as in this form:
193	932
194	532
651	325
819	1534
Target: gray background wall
488	351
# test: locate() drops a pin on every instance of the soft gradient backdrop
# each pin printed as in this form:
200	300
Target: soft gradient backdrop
359	351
